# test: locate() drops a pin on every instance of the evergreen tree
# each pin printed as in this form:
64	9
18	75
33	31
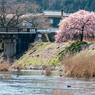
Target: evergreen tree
86	7
93	6
70	5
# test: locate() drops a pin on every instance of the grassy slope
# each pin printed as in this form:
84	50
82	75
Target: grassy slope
77	64
42	54
48	53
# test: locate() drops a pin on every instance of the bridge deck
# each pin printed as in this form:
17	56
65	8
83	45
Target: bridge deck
17	30
24	30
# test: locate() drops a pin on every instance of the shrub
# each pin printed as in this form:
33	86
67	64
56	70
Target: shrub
74	47
4	66
93	48
32	52
41	44
48	71
37	55
25	64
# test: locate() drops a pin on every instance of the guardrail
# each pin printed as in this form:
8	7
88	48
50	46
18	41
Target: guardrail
18	29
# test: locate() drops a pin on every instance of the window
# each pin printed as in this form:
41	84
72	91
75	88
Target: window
51	21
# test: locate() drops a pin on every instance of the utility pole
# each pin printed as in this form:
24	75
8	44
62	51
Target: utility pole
62	8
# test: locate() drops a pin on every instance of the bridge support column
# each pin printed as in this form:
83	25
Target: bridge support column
9	47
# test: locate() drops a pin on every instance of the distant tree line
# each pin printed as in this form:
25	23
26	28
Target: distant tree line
70	6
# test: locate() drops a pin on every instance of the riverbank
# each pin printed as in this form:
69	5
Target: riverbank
72	59
76	59
41	55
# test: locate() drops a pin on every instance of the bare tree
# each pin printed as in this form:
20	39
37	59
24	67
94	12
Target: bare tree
11	12
39	21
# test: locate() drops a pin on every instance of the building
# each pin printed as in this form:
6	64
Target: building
54	16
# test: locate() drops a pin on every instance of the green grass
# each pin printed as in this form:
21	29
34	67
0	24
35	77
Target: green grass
42	46
73	48
33	62
56	61
25	64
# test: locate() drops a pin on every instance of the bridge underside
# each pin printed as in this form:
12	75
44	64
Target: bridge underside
16	43
23	42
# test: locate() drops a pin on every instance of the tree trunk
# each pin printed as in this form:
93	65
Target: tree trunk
81	37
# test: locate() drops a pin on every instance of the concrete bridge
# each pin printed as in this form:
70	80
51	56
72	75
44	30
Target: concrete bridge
16	39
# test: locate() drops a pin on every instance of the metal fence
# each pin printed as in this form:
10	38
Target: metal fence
17	29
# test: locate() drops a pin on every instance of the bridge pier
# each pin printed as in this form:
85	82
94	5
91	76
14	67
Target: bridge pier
10	49
9	46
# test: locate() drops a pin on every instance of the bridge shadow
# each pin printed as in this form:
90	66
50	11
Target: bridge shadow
17	56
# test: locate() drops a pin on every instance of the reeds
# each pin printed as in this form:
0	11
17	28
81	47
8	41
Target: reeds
16	66
80	65
4	66
47	71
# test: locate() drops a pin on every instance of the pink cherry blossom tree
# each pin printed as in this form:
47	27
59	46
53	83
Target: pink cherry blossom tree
81	23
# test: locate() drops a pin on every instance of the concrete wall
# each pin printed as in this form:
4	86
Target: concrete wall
46	37
10	49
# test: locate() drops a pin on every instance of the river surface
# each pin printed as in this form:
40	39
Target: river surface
34	83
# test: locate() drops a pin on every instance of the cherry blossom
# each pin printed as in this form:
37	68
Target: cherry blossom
79	23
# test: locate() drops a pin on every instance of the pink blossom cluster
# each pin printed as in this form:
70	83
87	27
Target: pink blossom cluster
77	23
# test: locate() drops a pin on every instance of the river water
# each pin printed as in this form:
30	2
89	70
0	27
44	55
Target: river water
34	83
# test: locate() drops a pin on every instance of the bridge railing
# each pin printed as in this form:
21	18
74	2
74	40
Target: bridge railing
25	29
18	29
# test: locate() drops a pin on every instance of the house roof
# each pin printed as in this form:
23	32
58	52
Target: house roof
46	13
31	14
54	13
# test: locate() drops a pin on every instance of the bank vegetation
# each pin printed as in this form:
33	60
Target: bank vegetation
74	59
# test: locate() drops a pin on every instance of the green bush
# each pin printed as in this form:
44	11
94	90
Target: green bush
74	47
32	52
41	44
25	64
93	48
37	55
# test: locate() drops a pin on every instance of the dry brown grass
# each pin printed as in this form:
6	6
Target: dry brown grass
16	66
89	40
4	66
47	71
80	65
